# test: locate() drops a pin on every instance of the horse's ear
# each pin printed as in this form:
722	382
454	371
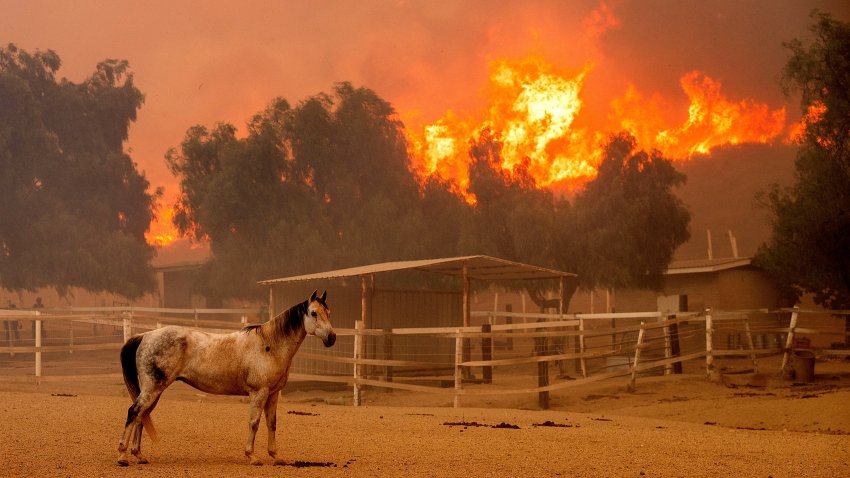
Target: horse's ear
313	297
324	294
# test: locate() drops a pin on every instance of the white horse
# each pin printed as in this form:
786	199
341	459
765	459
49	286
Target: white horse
254	362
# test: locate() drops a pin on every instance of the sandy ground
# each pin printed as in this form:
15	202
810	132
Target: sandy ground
751	425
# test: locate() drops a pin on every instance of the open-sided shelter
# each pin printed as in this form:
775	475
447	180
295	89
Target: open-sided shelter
382	297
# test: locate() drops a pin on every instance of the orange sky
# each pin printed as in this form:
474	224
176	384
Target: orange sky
199	62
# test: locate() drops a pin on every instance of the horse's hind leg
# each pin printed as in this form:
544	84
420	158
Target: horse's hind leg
129	431
136	446
133	428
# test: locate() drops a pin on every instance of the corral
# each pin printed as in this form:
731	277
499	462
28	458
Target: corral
66	421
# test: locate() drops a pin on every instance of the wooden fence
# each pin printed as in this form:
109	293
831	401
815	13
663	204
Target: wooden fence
509	353
640	343
126	319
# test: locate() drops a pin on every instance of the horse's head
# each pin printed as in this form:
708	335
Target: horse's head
317	320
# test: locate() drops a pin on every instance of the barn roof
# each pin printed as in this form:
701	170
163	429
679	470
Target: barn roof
699	266
484	268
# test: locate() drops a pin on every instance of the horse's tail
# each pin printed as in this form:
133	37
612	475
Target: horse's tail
131	379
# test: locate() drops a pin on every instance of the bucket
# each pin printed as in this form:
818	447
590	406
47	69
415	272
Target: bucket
803	362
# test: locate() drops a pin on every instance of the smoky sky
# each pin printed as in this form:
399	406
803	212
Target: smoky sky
201	62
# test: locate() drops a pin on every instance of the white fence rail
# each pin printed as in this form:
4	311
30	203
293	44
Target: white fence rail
125	319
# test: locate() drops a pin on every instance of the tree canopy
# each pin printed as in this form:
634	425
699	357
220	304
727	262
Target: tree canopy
627	222
809	248
74	208
323	185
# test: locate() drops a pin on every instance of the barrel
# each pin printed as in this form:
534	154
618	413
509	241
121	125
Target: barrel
803	362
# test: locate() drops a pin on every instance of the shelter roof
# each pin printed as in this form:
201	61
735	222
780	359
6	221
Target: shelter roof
707	265
483	268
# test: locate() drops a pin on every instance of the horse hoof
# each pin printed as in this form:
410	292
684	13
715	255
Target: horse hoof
256	461
279	462
143	461
123	462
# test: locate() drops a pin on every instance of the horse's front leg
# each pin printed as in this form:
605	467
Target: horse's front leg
271	424
258	403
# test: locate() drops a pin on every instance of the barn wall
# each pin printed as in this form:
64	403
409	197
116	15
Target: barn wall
746	288
703	290
177	290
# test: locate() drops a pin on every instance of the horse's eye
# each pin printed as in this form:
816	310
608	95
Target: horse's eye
313	313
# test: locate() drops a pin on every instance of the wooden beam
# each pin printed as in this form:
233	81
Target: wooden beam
789	341
562	290
363	301
709	349
465	295
271	303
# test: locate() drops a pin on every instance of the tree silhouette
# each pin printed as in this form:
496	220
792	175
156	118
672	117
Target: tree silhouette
74	208
809	248
323	185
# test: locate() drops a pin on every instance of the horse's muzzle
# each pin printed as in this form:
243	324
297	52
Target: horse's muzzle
330	339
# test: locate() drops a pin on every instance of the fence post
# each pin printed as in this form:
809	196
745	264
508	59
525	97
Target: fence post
581	346
577	348
638	348
458	367
789	341
709	350
509	342
675	348
126	317
37	345
388	355
358	340
542	372
749	336
668	344
7	330
487	353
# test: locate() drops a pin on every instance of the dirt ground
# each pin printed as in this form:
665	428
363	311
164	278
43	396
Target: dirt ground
747	425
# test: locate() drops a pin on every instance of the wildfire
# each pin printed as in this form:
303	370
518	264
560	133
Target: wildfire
713	120
533	111
162	231
813	115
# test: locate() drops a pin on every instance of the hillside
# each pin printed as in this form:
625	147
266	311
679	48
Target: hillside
721	194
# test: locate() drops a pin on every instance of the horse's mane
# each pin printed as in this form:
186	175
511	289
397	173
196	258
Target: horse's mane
287	321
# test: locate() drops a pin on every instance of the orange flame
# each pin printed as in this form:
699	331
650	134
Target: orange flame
712	120
162	231
533	112
814	114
